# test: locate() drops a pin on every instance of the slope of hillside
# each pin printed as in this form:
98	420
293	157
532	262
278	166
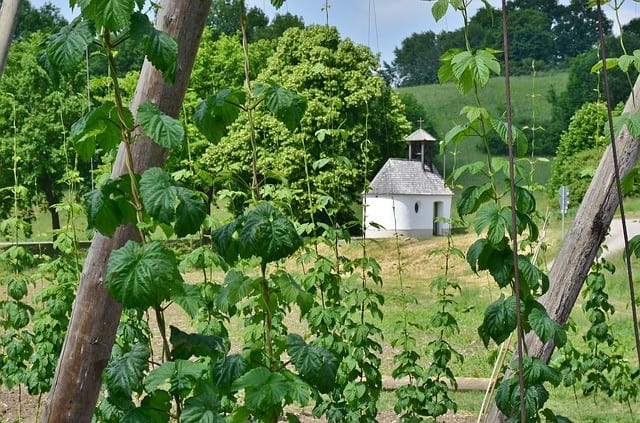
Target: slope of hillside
530	107
528	93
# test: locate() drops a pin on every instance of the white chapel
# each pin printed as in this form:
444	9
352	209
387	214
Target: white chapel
407	196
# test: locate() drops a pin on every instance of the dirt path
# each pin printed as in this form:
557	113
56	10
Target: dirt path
615	239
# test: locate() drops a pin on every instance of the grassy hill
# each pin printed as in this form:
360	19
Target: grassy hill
443	103
528	98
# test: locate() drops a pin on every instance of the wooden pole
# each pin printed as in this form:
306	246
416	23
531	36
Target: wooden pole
95	316
579	248
8	19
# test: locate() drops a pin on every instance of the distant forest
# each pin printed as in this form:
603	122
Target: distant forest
544	36
540	31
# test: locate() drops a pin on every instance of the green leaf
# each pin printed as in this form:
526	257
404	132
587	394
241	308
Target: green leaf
142	276
520	141
187	345
537	371
439	9
634	246
163	129
189	298
525	200
319	164
268	234
225	242
479	254
114	15
262	389
69	46
469	68
124	374
291	291
235	288
227	370
102	212
166	202
108	206
316	365
102	125
531	277
497	222
217	112
160	48
546	328
499	320
472	198
612	62
190	213
286	105
158	194
181	374
154	408
203	408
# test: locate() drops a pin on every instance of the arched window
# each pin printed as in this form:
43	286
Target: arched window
416	207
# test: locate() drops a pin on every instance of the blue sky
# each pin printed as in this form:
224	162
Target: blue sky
379	24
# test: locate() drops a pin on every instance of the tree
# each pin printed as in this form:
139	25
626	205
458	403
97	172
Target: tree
278	25
46	19
576	29
40	134
584	135
350	111
417	60
582	83
224	18
96	314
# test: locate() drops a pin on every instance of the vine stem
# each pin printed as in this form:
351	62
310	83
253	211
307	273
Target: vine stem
249	108
126	134
166	352
514	223
616	173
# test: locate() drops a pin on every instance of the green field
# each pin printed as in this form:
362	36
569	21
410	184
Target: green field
528	99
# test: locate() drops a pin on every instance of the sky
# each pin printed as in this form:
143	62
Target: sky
378	24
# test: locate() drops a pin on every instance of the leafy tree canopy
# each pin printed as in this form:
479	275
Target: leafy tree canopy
350	111
224	18
43	113
585	133
46	19
541	31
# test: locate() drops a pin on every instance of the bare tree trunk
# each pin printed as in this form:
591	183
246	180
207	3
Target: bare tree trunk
8	20
95	314
579	248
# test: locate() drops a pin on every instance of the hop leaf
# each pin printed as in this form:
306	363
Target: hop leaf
68	47
124	373
217	112
142	276
268	234
167	203
499	320
114	15
163	129
286	105
316	365
161	49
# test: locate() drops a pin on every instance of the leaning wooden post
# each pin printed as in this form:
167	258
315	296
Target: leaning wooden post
95	316
8	19
580	246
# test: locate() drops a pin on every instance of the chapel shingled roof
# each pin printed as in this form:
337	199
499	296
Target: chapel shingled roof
404	176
